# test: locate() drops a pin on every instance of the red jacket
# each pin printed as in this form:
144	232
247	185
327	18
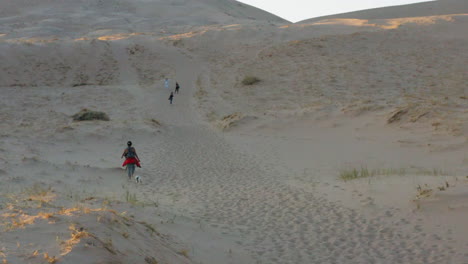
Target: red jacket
131	161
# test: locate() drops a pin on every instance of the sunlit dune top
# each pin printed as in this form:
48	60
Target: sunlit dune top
197	31
383	23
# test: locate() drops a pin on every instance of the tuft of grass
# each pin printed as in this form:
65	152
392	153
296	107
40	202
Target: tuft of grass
125	234
200	91
432	172
109	246
131	197
151	260
86	115
389	171
149	227
184	252
352	174
423	192
363	172
250	80
81	84
178	43
75	238
155	122
50	259
39	193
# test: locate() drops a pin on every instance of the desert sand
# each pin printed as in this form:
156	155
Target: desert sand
351	147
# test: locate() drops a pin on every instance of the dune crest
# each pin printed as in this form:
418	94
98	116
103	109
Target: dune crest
340	139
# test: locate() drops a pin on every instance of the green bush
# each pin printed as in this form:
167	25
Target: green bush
250	80
85	115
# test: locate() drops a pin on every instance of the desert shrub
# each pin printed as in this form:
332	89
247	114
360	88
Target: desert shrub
178	43
85	115
352	174
81	84
250	80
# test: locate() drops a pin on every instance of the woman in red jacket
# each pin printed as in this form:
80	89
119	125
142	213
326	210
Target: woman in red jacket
131	159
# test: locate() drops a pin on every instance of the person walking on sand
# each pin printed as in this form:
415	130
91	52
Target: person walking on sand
171	97
131	159
166	83
177	87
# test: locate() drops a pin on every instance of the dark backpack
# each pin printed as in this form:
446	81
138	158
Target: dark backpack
130	152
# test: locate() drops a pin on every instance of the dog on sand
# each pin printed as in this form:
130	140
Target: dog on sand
138	179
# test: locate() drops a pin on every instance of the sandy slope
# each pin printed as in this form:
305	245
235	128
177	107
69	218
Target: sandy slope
67	18
429	8
233	173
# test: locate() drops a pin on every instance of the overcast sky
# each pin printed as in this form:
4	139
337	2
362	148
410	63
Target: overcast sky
297	10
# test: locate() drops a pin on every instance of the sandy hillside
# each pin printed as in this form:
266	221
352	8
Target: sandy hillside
429	8
351	146
67	18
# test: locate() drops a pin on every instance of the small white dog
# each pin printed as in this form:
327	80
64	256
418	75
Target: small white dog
138	179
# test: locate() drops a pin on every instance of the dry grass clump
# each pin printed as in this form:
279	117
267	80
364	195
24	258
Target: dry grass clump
423	192
50	259
347	175
149	227
250	80
81	84
131	197
364	172
75	238
155	122
229	120
184	253
85	115
151	260
40	193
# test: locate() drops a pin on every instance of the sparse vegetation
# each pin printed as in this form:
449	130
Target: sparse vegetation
396	116
347	175
423	192
81	84
40	194
86	115
250	80
155	122
109	246
151	260
184	253
19	214
75	238
49	259
363	172
200	93
130	197
149	227
178	43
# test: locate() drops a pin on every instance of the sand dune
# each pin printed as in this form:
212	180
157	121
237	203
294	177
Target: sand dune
429	8
350	148
68	18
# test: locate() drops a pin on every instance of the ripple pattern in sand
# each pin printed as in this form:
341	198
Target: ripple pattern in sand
211	182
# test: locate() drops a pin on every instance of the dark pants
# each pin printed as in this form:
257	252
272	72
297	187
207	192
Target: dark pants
130	170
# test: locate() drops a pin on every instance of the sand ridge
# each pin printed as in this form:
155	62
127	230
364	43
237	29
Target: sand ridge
232	173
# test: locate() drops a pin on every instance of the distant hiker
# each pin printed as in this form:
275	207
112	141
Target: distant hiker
166	83
131	159
177	87
171	97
